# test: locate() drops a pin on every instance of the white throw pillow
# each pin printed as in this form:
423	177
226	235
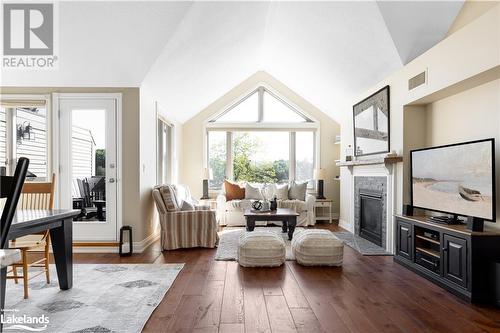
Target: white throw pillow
297	191
281	191
268	191
252	192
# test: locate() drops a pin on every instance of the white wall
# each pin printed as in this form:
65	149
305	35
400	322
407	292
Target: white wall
193	135
147	162
471	115
472	50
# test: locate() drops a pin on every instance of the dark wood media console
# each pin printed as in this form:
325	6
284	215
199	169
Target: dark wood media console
457	259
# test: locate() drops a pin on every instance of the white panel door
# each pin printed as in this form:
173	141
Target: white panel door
88	166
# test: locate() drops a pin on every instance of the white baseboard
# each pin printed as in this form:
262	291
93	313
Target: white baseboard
138	247
344	224
95	249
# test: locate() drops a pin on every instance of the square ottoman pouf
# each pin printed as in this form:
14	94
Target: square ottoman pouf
317	248
261	249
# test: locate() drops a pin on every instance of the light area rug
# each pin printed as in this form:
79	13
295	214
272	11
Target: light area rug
227	250
363	246
105	298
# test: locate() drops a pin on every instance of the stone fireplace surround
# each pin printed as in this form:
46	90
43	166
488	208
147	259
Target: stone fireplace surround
371	183
374	169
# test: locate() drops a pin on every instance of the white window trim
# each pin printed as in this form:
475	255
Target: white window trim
312	124
48	109
171	143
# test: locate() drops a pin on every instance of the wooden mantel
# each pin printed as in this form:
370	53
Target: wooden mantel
371	161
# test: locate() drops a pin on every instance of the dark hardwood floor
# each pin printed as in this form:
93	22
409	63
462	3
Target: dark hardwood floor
366	294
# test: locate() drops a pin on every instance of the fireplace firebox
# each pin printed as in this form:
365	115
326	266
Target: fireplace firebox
371	215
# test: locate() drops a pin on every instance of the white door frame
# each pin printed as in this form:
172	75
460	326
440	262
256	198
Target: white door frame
117	98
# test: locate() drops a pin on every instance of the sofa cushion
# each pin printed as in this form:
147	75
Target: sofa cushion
297	205
253	192
281	191
238	205
297	191
233	191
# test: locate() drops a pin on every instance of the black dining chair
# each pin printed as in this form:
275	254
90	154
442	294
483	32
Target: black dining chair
12	195
10	188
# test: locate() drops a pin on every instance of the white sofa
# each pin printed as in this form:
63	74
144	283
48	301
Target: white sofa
230	213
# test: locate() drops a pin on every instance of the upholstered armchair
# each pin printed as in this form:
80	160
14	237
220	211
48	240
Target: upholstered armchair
183	224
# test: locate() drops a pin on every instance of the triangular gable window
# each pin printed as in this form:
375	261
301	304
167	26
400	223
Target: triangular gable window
271	109
246	110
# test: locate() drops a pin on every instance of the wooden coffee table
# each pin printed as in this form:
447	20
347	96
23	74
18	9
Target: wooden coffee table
286	215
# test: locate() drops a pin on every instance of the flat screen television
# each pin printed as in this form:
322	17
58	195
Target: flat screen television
456	179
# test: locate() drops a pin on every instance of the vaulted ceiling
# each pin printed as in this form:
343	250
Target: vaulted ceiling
191	53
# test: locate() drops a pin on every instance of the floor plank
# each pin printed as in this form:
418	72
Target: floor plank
279	314
232	304
255	311
366	294
305	320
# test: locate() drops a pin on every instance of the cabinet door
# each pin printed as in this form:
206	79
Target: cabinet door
455	259
404	240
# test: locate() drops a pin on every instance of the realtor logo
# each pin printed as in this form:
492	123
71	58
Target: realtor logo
29	35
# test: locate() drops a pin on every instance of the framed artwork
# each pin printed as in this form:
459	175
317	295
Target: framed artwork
372	124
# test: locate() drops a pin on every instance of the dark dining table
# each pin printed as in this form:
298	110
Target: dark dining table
60	224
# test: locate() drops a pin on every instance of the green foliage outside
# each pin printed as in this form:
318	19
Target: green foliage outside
100	162
244	168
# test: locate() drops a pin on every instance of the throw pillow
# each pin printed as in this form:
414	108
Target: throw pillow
233	191
297	191
252	192
186	206
168	195
281	192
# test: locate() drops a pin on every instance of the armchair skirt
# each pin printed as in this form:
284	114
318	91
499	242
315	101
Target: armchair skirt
186	229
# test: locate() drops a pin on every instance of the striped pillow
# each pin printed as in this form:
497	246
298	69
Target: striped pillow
168	195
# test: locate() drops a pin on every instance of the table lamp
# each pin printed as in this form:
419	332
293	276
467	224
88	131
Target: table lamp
319	175
207	175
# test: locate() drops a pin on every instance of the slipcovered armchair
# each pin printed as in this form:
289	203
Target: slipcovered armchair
183	224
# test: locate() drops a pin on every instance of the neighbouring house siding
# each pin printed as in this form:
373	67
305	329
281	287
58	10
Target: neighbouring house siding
82	153
35	150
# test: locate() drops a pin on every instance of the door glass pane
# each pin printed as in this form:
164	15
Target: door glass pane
304	153
88	164
31	140
261	157
246	111
217	158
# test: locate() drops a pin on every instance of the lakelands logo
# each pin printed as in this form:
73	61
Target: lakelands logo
12	321
29	36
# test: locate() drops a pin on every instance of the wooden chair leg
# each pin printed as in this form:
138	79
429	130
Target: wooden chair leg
14	272
25	272
47	273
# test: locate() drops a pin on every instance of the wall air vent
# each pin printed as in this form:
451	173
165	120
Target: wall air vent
417	80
